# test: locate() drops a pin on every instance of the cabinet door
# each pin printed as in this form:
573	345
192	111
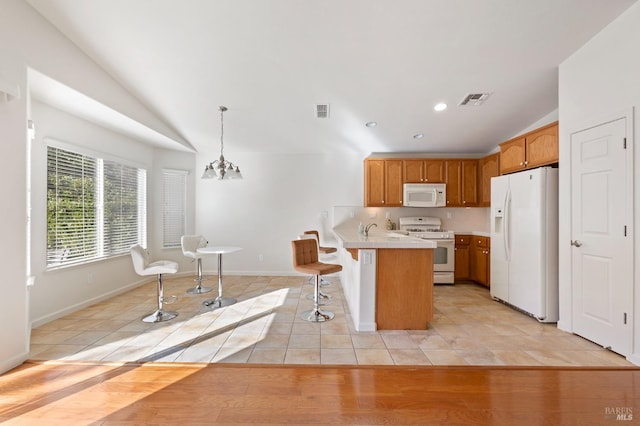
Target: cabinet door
469	183
413	171
462	271
512	156
453	174
393	183
374	183
433	171
488	167
480	260
542	147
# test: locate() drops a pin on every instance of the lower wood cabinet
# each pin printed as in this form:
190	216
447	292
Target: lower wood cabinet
480	260
472	261
404	289
461	262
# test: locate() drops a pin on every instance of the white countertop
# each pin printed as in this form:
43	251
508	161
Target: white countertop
478	233
350	238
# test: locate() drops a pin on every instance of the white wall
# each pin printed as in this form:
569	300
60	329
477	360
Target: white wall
281	196
60	291
599	80
15	329
28	41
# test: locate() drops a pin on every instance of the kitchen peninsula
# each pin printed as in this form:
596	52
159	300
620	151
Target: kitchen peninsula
387	279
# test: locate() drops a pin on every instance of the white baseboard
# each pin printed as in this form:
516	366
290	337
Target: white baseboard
8	364
84	304
634	359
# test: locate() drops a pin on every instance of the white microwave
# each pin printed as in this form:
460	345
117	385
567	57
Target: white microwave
425	195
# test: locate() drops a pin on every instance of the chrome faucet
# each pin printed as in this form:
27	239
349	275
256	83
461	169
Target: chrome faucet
366	230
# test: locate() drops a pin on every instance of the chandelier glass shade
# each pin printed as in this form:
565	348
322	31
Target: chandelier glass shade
221	168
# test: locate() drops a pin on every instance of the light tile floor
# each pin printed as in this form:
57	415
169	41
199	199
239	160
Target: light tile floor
469	328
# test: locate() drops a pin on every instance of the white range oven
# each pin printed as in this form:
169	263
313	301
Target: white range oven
429	228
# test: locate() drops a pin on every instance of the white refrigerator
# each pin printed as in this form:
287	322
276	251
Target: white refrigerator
524	241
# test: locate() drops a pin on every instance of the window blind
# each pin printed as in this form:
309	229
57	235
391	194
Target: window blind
96	208
174	207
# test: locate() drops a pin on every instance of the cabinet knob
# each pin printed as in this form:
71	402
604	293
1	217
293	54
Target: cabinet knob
521	164
526	162
382	201
464	202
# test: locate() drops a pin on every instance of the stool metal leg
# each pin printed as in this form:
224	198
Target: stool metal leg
323	298
199	289
316	315
160	314
323	282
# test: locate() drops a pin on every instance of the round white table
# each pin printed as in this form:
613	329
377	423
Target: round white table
219	301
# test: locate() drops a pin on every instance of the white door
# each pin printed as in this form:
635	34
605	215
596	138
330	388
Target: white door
602	256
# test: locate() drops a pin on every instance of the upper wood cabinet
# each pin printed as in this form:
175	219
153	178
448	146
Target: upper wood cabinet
488	167
534	149
461	178
419	171
383	183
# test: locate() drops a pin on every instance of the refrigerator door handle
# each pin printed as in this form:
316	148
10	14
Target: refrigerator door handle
507	224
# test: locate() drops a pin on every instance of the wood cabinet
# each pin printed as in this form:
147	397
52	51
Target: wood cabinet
422	171
488	167
462	187
462	270
479	260
534	149
404	289
383	183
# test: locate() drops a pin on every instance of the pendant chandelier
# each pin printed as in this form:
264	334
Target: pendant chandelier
221	168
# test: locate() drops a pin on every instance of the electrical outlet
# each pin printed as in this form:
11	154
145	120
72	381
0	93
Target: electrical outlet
352	214
449	215
89	278
372	215
260	258
324	214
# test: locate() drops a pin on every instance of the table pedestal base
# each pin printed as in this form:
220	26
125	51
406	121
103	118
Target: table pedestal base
199	289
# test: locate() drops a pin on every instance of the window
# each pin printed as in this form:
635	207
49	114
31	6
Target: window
174	211
96	208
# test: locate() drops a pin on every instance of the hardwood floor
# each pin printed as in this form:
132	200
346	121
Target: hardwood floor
73	393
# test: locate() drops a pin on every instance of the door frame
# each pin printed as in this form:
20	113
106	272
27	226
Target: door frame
633	204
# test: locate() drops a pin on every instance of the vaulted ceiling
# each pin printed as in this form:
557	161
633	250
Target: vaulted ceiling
272	61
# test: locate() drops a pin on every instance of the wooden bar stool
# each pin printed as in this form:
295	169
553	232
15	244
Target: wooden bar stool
323	298
322	251
305	260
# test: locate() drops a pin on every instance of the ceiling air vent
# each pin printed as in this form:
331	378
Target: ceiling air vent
322	110
474	99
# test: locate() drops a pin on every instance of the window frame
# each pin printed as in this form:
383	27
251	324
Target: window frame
178	178
139	219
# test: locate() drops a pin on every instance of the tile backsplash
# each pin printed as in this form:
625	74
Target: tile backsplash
455	219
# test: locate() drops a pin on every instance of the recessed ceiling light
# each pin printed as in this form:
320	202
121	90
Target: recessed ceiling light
371	124
418	136
440	107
